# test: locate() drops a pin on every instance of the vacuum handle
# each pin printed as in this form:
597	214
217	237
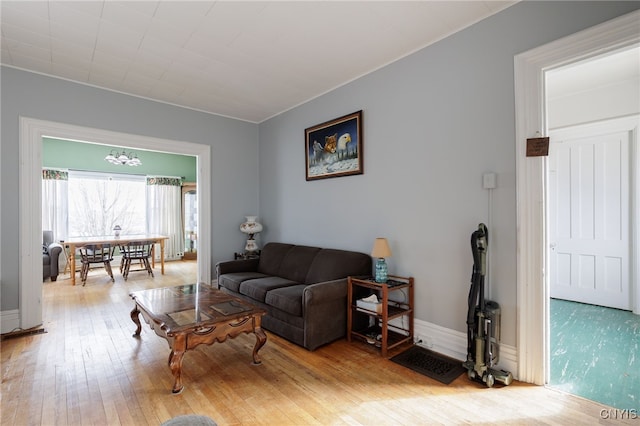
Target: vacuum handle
479	241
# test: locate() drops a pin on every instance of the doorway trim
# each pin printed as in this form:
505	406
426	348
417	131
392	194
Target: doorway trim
30	198
531	235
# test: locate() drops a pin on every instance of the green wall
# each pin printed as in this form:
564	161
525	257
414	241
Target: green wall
65	154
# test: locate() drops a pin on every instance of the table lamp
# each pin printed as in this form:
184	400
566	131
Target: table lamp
381	250
251	227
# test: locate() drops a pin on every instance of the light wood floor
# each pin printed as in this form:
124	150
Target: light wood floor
88	369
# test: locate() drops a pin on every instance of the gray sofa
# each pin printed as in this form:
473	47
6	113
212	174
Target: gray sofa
50	255
302	288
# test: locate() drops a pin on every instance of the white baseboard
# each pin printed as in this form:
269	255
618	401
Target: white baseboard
9	321
454	344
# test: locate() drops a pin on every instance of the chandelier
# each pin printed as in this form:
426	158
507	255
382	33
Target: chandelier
123	158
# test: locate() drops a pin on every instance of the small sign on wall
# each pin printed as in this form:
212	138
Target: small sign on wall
537	147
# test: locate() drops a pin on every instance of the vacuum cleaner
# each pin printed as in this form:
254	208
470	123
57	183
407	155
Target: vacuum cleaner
483	321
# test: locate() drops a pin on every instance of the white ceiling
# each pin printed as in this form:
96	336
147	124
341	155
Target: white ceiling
246	60
601	71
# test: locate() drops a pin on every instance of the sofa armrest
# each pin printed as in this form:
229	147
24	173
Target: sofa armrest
318	293
241	265
326	291
324	308
54	253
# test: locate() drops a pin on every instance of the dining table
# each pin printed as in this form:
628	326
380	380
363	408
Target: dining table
74	243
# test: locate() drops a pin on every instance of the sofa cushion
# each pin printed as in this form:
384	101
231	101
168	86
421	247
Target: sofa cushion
331	264
232	280
257	288
287	299
296	263
271	256
273	312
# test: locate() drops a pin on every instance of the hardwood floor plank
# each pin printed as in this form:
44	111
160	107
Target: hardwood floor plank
88	369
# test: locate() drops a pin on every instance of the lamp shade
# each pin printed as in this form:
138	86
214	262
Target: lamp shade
251	226
381	248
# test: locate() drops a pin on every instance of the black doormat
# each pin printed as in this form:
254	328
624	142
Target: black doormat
439	367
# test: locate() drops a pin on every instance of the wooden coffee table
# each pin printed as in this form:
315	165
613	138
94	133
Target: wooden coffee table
190	315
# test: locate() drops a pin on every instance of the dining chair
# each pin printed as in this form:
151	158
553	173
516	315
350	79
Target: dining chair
92	254
140	251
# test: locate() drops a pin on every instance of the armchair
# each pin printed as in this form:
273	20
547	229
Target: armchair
50	255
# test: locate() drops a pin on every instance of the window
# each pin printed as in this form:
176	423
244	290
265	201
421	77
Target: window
99	201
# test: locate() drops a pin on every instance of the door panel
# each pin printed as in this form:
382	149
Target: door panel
589	223
190	220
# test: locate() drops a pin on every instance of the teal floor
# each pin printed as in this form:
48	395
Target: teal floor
594	353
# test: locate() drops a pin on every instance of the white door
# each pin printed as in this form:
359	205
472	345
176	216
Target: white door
589	206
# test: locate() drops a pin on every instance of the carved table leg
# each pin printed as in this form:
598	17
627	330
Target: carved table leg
175	362
136	319
261	339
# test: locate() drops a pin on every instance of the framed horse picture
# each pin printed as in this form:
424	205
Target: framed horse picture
334	148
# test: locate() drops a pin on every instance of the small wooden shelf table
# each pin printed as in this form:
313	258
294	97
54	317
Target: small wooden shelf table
390	309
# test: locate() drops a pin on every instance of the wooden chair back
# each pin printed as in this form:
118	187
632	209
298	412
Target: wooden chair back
96	253
137	250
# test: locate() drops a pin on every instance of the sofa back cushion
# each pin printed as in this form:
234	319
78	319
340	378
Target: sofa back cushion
296	263
309	265
332	264
271	257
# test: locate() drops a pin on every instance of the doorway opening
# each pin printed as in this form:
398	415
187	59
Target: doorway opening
86	195
532	239
590	196
31	133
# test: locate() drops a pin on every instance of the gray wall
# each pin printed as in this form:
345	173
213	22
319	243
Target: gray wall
233	144
434	123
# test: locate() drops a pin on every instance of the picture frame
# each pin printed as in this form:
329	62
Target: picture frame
334	148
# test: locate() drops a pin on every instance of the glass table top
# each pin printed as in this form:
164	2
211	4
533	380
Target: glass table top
191	305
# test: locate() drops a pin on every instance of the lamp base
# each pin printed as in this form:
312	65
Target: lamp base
251	245
381	270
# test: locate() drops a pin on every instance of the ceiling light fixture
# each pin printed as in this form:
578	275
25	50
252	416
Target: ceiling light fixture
123	158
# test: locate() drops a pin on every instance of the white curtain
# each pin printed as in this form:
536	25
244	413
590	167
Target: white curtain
164	213
55	211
